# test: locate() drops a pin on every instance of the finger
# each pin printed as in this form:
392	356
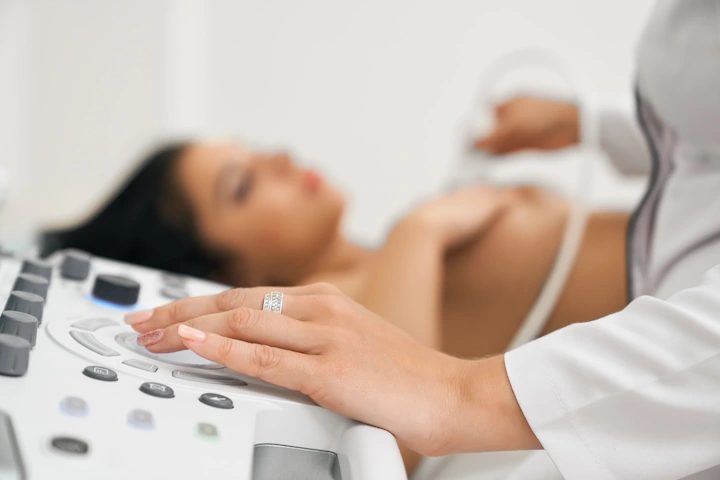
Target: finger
246	324
502	109
284	368
188	308
501	141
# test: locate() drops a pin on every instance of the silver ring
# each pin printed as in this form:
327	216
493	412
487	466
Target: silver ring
273	302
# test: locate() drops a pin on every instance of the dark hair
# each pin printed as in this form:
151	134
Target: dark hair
148	222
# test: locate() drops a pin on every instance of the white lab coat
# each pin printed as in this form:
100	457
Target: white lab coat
636	395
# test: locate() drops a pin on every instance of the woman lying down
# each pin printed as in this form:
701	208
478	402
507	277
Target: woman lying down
459	273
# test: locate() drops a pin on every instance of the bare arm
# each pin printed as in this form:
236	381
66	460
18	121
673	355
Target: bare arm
406	281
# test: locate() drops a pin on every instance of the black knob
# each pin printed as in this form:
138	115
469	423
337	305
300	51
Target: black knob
75	265
14	355
36	267
19	324
26	303
27	282
116	289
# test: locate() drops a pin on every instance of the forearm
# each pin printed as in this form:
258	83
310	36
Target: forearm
404	286
487	415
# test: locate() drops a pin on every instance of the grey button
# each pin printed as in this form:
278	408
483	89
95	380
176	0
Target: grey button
27	282
174	293
77	407
19	324
207	430
71	445
148	367
116	289
208	378
173	280
14	355
100	373
183	358
27	303
36	267
75	265
92	324
157	390
141	419
89	341
216	400
10	459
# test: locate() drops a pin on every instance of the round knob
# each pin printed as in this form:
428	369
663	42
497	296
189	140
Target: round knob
14	355
26	303
27	282
36	267
75	265
19	324
116	289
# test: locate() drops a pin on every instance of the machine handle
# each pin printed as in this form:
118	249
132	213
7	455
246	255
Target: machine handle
369	453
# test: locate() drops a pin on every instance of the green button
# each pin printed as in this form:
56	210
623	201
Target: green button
207	431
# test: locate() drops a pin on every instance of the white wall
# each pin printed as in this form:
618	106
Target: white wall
369	91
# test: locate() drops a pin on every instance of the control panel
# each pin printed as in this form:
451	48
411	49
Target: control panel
80	399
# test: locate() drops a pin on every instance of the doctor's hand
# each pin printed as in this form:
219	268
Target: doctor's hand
531	123
350	361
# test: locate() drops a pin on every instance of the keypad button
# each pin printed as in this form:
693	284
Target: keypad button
71	445
216	400
141	419
89	341
27	303
75	265
11	464
148	367
208	378
157	390
92	324
35	284
173	280
75	406
100	373
174	293
207	431
37	267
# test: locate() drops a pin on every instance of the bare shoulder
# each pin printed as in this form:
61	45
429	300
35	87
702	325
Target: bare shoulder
350	284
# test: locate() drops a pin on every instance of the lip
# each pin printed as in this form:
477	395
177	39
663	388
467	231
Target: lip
312	180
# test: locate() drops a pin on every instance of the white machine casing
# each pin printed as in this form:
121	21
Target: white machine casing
270	434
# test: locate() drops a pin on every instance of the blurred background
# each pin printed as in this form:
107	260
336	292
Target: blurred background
371	92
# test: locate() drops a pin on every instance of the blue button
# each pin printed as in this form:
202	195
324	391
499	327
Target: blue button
141	419
77	407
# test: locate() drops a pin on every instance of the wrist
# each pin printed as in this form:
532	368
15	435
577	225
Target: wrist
569	122
417	227
485	415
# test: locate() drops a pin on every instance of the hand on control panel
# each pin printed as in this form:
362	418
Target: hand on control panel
330	348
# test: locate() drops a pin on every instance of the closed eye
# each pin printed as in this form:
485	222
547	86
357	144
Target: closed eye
243	190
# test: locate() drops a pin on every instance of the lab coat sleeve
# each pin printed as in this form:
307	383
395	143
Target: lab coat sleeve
620	135
633	395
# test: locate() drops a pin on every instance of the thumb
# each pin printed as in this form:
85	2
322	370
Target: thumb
499	142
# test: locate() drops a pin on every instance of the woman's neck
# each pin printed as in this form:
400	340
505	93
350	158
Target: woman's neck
339	258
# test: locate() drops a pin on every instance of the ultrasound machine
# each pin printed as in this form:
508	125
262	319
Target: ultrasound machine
79	399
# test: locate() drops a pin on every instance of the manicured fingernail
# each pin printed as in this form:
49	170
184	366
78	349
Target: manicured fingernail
138	317
150	338
189	333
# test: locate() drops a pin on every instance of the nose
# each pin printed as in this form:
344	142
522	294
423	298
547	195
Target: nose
281	163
